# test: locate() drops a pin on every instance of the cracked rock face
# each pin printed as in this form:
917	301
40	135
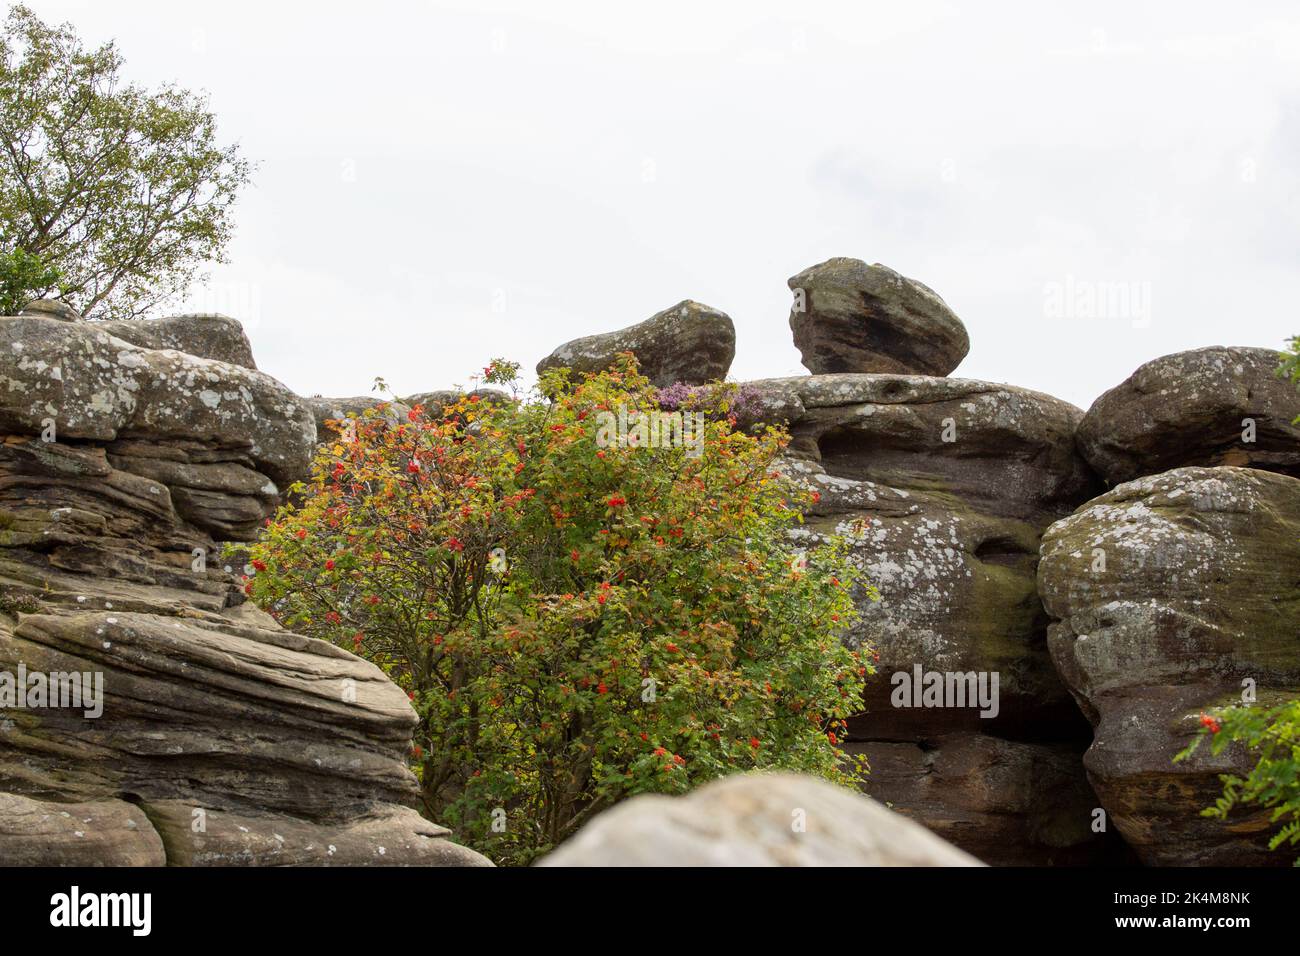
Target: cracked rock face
220	738
852	317
689	342
749	820
1211	406
1166	594
946	486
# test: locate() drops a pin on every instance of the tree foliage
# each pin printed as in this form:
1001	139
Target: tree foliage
122	191
578	615
24	277
1274	734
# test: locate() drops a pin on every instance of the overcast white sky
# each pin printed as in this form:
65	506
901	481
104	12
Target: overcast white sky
441	183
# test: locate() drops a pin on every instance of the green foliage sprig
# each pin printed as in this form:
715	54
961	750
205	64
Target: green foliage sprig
24	277
1274	734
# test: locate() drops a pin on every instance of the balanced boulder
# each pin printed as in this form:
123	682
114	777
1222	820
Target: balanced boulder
848	316
689	343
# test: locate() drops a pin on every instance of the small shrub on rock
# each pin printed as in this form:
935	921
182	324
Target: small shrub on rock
19	602
578	614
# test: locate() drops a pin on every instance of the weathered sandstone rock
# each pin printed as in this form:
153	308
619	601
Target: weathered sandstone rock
852	317
1168	592
206	335
689	342
756	820
110	567
394	836
1211	406
102	833
1006	801
947	530
97	387
945	486
51	309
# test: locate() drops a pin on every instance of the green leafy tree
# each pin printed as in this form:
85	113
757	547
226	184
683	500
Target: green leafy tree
24	277
577	613
124	191
1274	734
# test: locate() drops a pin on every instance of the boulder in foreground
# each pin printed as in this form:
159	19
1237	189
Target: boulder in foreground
756	820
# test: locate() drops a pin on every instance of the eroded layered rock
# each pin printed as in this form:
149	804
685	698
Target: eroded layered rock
1167	593
688	342
120	466
945	486
852	317
96	387
756	820
1211	406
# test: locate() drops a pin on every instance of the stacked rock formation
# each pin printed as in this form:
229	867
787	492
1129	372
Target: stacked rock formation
1179	590
127	452
1151	602
945	486
981	512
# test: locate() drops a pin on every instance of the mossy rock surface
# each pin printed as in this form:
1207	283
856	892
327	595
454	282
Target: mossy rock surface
1166	594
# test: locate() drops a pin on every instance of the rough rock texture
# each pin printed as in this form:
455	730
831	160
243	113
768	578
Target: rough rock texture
392	836
689	342
1167	592
108	565
102	833
948	531
1190	409
97	387
1006	801
852	317
51	309
207	335
756	820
